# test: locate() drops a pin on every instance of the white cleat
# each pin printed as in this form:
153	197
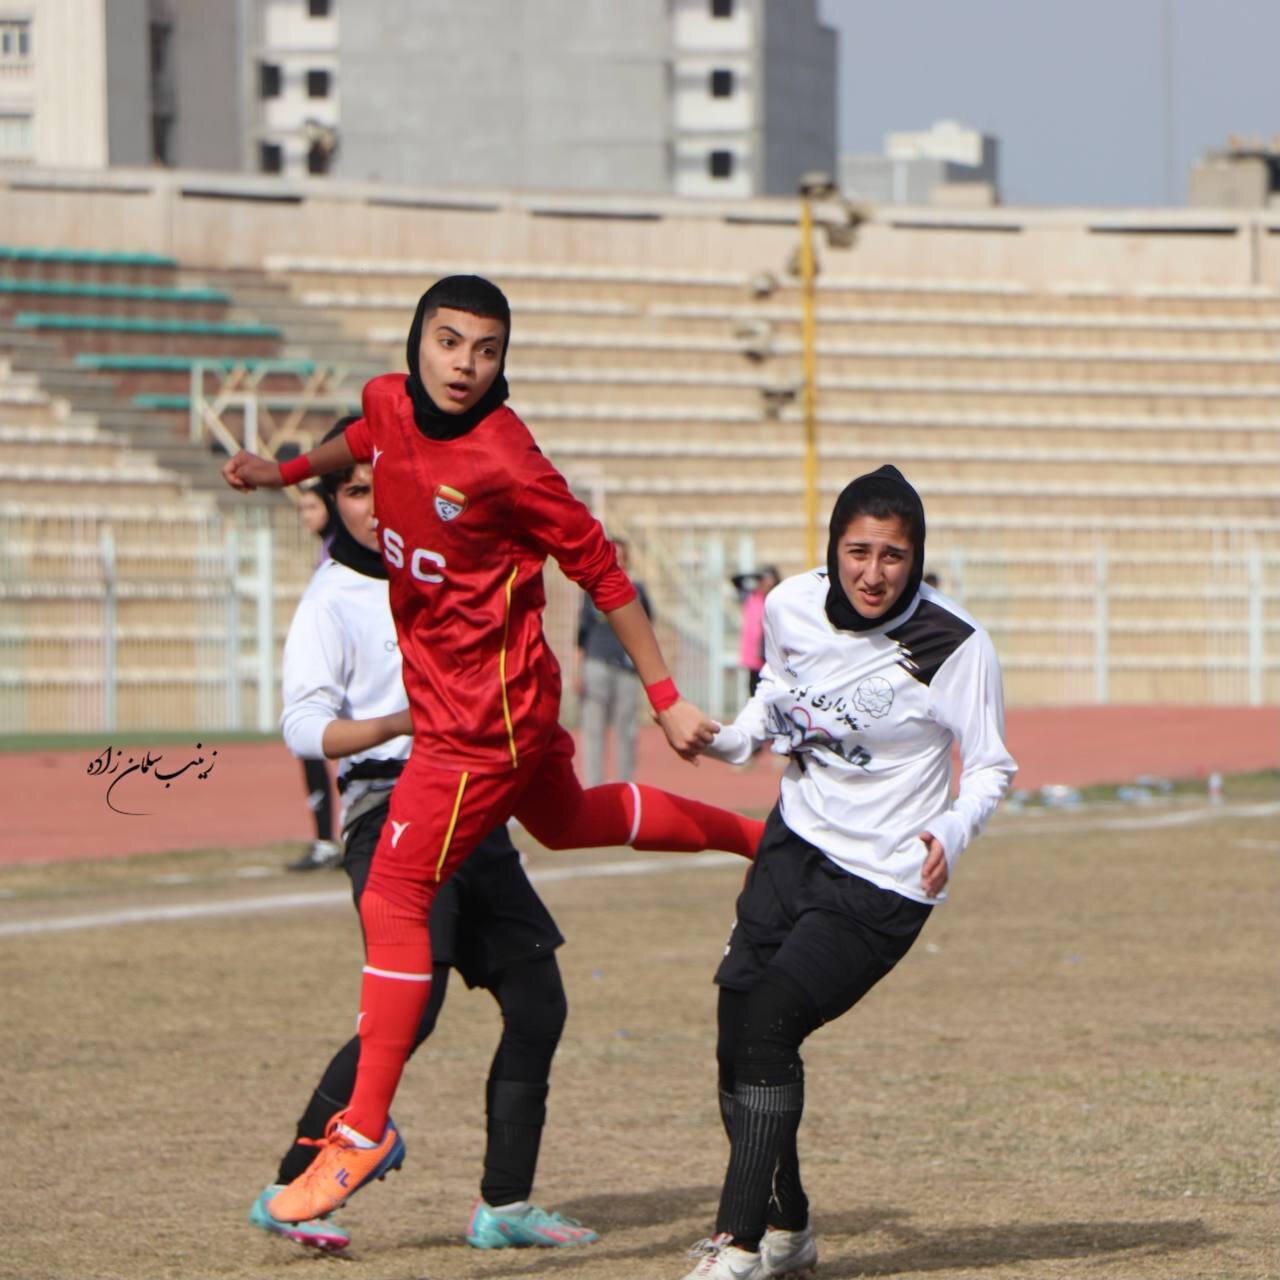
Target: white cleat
788	1253
724	1261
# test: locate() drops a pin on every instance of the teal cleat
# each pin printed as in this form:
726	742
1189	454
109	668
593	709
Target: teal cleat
317	1233
523	1228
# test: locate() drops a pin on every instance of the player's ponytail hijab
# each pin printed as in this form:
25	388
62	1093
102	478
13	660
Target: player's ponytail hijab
342	546
480	297
880	494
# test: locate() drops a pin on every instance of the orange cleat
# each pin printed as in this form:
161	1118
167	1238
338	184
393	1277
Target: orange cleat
337	1173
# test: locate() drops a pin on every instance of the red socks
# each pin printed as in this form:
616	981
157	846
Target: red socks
675	822
607	816
393	994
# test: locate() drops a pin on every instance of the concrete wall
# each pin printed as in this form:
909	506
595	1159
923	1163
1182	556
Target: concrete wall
703	124
799	107
128	82
562	93
883	180
70	83
207	52
284	34
252	218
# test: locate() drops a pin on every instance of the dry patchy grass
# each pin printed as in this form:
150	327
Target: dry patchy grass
1073	1073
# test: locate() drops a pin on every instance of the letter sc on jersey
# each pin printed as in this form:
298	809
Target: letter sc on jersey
422	563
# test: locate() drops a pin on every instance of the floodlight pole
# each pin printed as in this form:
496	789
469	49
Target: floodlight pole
808	345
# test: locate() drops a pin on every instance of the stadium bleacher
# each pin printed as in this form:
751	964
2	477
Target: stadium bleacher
1046	422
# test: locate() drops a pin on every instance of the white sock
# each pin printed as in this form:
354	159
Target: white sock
516	1206
357	1139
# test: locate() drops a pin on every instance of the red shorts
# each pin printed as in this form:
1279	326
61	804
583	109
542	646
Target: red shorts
437	816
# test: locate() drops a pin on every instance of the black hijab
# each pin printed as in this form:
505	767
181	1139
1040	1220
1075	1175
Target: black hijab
343	546
881	494
481	297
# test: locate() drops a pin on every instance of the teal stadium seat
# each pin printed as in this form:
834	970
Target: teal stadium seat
85	264
151	335
94	297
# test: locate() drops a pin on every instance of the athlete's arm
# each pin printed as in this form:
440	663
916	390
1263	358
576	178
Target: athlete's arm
350	737
967	697
247	471
736	743
561	526
688	731
935	872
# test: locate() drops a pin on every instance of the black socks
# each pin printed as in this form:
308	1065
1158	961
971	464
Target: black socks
516	1115
765	1121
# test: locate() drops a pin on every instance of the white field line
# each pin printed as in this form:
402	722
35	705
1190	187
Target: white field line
288	901
1141	821
629	867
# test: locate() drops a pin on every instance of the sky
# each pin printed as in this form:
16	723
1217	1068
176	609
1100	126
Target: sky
1075	90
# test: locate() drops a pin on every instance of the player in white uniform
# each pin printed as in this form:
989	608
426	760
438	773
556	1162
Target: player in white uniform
344	697
870	677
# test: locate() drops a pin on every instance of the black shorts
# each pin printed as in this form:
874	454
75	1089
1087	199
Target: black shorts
832	932
485	917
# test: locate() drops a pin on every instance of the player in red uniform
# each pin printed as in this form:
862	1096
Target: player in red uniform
468	511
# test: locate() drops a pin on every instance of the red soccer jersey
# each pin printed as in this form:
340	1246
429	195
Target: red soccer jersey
465	527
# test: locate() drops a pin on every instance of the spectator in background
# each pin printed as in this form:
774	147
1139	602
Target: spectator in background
315	517
608	687
753	587
323	851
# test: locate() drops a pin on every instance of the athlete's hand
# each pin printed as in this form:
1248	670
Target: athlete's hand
247	472
688	731
934	873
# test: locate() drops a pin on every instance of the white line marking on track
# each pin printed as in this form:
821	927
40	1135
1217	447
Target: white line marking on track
629	867
290	901
1179	818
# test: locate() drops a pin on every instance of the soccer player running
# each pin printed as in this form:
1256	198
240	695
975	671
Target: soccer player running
344	697
468	511
870	677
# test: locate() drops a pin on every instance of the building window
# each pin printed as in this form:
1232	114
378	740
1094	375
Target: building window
159	35
15	40
161	132
319	8
720	164
270	157
318	84
268	80
15	136
722	8
722	83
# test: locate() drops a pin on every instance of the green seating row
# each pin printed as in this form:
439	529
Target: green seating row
19	253
165	400
138	324
131	292
112	362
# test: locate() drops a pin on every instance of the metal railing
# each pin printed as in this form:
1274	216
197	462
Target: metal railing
113	620
270	420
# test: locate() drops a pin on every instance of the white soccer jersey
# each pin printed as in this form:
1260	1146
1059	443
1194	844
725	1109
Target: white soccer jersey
868	719
341	661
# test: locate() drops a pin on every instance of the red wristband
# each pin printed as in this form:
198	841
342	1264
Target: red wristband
296	470
662	694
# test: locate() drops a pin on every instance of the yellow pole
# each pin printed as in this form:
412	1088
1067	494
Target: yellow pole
808	343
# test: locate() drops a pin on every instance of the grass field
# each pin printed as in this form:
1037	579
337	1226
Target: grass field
1073	1074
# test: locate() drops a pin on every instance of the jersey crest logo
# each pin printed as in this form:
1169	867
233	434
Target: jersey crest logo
450	504
874	697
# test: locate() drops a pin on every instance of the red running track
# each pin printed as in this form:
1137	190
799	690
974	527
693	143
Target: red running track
254	795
